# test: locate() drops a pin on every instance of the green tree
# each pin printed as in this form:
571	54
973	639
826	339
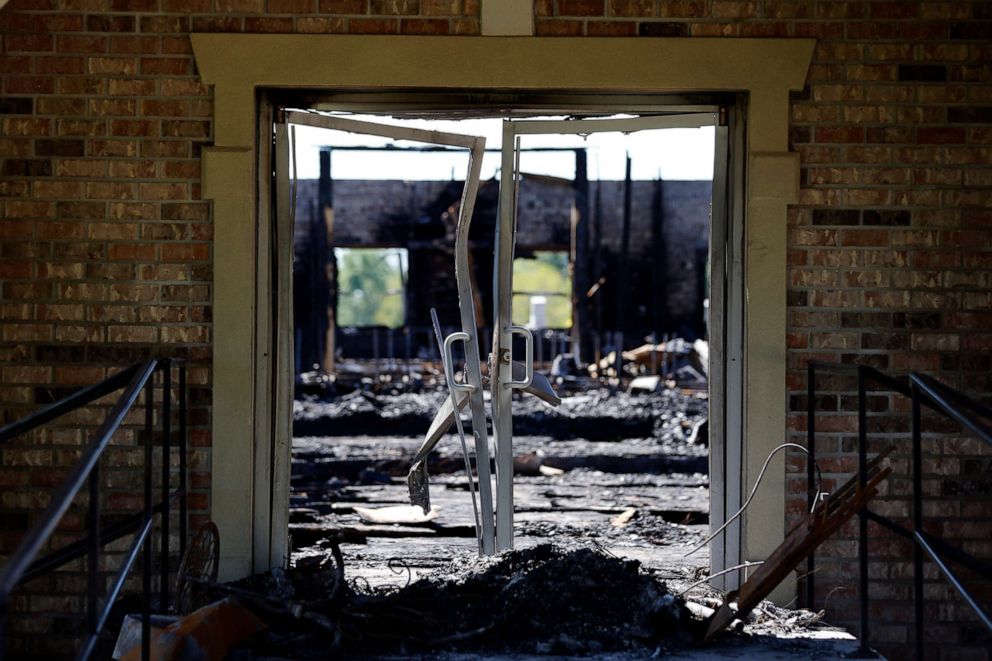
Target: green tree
546	274
370	287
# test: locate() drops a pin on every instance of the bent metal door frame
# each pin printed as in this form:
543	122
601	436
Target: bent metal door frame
272	470
239	66
272	475
725	443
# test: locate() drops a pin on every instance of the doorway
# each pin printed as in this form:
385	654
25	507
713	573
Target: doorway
719	285
758	72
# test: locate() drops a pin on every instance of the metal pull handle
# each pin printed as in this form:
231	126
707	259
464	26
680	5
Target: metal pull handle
449	362
528	358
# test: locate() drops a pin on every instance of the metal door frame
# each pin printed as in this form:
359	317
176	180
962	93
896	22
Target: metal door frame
726	357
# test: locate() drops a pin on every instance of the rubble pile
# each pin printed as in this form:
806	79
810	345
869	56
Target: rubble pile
541	600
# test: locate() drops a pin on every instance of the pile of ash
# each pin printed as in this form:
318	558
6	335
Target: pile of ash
540	600
642	528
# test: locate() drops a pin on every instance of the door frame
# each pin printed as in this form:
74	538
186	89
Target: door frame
725	442
764	70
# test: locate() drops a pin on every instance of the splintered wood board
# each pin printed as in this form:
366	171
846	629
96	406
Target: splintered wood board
802	540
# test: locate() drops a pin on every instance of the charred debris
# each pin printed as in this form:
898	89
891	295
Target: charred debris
542	600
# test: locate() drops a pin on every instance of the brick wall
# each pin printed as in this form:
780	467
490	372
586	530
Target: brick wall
106	246
890	256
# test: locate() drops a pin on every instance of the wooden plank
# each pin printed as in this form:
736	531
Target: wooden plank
799	543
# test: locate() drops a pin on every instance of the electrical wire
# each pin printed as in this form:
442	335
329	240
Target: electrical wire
754	490
743	565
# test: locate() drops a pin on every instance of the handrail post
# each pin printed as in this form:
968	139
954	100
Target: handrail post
183	442
863	646
166	449
917	521
93	559
146	562
810	473
3	622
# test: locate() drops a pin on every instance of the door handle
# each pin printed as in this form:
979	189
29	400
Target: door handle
528	358
449	362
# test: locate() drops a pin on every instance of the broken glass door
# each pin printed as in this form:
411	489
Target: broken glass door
495	520
504	374
472	389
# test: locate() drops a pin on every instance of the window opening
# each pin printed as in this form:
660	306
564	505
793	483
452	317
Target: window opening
542	291
371	286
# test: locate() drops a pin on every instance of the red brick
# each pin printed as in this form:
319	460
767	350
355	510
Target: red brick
611	29
164	107
465	26
423	26
440	8
190	6
16	43
839	134
734	9
241	6
267	24
394	7
292	6
131	252
581	8
631	8
342	6
373	26
321	25
135	45
942	135
166	66
132	169
558	28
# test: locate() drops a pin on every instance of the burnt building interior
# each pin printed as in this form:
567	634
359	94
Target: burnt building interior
648	239
617	311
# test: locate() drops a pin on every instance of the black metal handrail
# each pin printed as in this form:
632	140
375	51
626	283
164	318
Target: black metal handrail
926	391
25	565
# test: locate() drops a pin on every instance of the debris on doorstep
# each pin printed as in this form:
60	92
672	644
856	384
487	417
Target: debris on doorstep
826	519
541	600
207	633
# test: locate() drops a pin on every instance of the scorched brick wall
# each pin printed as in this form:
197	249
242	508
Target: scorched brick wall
106	246
106	250
890	257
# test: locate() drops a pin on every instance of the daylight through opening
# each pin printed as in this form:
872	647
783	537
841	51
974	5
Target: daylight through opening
610	274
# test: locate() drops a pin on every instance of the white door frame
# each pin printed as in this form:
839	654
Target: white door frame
726	310
274	460
764	71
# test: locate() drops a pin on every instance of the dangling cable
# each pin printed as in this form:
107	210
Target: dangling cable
754	490
743	565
